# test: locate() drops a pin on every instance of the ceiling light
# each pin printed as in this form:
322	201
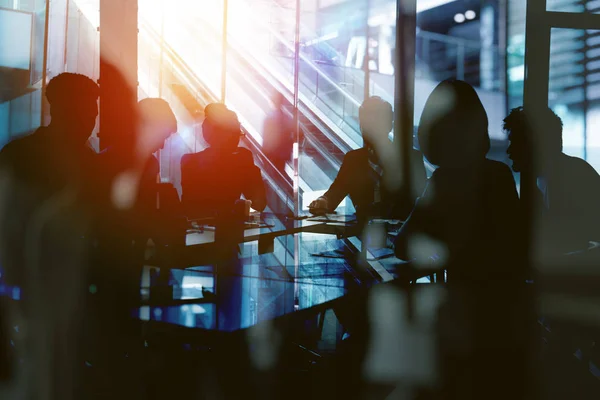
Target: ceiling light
459	18
470	14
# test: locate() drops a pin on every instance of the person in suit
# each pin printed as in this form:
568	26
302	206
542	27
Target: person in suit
568	197
363	174
214	179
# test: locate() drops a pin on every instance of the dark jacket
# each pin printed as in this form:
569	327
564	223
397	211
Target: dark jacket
212	181
358	180
468	214
570	204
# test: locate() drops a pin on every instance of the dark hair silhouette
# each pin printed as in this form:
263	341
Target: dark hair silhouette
69	88
453	130
550	138
160	111
73	102
221	127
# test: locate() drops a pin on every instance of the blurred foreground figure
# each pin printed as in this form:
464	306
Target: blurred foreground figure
44	222
369	175
214	179
157	204
68	247
569	188
467	222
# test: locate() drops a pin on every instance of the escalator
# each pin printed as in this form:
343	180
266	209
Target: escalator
329	128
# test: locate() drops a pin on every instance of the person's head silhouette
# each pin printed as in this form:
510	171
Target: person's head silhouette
376	119
158	121
73	102
547	139
453	130
221	127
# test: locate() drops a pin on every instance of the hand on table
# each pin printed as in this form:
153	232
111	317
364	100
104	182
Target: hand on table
319	206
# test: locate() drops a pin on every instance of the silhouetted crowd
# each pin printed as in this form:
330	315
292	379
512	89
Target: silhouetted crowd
76	223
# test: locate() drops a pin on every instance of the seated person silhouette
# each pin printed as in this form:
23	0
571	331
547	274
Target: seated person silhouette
362	175
567	203
467	214
154	199
213	180
159	123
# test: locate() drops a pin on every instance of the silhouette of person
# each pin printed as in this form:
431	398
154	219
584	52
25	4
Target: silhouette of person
569	188
278	134
215	178
43	221
363	174
158	203
53	157
467	222
468	210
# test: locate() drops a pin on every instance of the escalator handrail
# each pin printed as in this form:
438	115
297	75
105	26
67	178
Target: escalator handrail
347	142
339	141
174	58
303	58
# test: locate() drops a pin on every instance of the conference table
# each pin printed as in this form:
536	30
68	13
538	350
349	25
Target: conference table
283	265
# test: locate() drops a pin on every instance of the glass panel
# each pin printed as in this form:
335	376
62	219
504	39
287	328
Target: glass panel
573	6
37	54
567	87
515	52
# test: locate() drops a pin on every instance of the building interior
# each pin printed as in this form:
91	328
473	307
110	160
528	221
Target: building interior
308	304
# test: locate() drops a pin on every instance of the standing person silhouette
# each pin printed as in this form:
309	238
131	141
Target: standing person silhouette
44	221
466	220
51	159
470	206
214	179
568	197
363	174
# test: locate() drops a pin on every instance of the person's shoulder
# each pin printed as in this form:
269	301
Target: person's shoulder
497	167
191	157
578	172
356	155
575	164
244	154
499	174
152	165
22	145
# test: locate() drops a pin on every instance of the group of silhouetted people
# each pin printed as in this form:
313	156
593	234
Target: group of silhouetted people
469	209
64	206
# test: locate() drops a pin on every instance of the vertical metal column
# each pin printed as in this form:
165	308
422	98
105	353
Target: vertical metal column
65	53
404	90
162	49
45	64
535	96
224	52
367	59
296	148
